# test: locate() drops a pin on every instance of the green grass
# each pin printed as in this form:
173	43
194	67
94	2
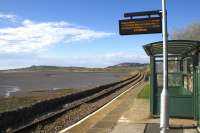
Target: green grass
145	93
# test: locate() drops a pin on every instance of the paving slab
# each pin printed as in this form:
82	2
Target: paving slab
129	128
105	124
99	130
190	131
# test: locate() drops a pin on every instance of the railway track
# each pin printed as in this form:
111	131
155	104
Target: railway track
72	112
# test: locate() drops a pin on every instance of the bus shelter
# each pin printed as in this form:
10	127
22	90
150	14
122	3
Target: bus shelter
183	77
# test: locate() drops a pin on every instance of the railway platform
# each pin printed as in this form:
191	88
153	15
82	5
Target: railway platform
128	114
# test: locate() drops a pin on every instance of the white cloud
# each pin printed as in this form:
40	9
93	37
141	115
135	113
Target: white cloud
23	45
31	36
9	17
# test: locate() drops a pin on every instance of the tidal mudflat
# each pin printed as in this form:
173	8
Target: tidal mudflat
28	83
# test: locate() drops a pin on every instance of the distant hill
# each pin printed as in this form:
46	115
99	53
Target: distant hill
128	65
122	67
51	67
43	67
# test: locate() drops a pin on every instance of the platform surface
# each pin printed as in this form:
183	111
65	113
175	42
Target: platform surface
128	114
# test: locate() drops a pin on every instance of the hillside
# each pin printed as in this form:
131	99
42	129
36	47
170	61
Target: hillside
128	65
122	67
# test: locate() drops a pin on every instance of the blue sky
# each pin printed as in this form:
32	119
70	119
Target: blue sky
79	32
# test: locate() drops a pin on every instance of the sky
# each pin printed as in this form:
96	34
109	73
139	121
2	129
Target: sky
80	33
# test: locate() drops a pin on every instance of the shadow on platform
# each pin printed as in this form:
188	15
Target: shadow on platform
154	128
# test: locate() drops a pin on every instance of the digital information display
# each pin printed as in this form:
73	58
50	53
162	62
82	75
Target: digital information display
140	26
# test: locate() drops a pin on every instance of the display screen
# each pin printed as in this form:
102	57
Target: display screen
140	26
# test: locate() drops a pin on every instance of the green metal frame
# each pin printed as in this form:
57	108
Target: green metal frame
195	84
152	85
197	95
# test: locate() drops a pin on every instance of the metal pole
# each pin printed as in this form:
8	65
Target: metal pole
164	116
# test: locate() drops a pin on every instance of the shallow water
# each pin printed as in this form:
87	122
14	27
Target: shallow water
22	83
7	90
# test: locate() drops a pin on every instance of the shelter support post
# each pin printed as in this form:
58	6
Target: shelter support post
153	85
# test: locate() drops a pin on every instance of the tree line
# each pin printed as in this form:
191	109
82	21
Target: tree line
190	32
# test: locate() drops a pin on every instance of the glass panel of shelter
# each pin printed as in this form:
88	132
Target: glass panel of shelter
188	73
180	72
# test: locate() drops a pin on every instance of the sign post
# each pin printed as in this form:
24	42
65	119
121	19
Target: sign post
164	116
149	22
